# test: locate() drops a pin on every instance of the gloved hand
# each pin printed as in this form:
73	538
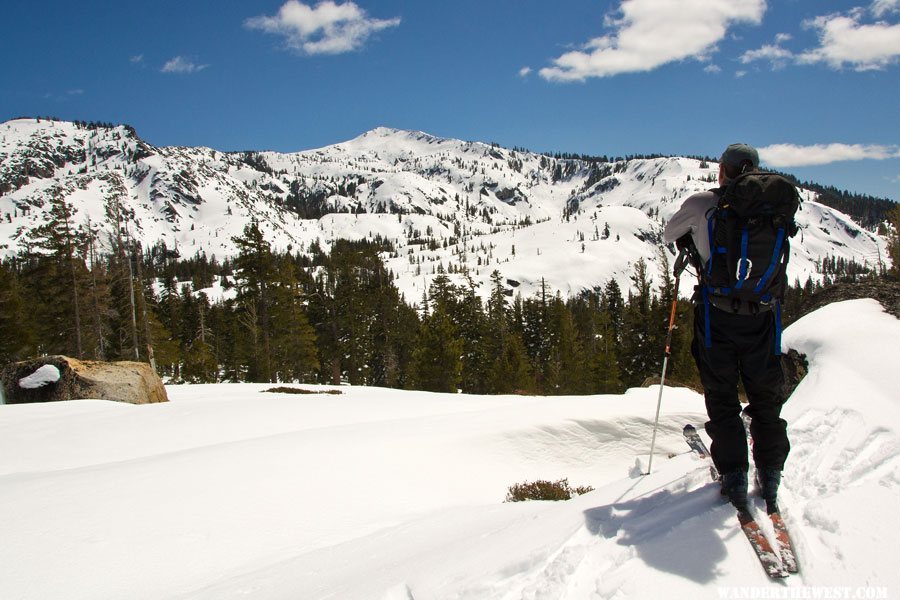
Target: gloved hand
685	242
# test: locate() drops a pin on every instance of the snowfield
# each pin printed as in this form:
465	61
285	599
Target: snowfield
229	492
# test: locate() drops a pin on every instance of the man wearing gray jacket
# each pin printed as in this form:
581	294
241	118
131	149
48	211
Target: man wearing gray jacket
731	344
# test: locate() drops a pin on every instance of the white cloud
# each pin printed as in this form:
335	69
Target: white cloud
524	71
75	92
792	155
651	33
843	40
773	53
182	65
712	69
883	7
328	28
137	59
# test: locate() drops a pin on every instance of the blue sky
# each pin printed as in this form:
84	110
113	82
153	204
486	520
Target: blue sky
813	83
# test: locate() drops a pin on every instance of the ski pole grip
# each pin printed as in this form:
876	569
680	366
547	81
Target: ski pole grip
681	262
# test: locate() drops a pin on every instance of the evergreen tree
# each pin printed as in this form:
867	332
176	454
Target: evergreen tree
124	342
604	361
539	336
640	352
349	315
614	305
230	340
169	309
64	278
97	300
255	268
293	339
16	328
199	362
166	348
894	241
476	335
437	362
568	360
594	327
144	301
509	370
365	331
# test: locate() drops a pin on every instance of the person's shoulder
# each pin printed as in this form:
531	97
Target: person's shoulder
707	197
700	202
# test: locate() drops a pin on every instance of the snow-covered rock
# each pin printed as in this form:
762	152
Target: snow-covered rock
44	375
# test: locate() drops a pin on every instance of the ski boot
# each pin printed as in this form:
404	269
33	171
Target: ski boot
734	486
767	481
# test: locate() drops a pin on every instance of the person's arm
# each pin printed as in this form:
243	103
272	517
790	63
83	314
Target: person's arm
682	222
689	224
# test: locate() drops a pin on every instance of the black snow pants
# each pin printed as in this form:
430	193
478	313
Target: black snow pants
742	346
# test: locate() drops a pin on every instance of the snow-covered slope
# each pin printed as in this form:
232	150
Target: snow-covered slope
228	492
442	203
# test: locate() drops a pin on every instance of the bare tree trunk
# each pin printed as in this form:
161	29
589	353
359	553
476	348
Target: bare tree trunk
144	318
71	258
98	324
336	361
134	332
264	322
202	323
250	320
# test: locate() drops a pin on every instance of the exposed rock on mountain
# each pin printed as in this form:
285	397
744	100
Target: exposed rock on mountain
439	204
886	291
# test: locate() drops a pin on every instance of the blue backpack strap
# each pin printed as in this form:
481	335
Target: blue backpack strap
712	244
776	254
706	324
744	263
778	328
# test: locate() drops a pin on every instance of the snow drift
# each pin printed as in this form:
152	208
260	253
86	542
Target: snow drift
230	492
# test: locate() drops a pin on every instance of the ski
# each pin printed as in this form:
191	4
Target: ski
783	541
697	444
767	556
777	564
782	536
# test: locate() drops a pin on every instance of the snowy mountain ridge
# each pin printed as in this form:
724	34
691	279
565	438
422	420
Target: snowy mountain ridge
443	204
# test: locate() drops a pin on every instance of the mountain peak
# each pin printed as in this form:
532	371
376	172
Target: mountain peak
383	132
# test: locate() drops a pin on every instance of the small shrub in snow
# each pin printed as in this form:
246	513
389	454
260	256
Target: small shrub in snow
544	490
292	390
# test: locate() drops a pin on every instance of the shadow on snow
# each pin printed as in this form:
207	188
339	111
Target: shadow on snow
674	532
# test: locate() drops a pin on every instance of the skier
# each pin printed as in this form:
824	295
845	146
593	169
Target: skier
735	339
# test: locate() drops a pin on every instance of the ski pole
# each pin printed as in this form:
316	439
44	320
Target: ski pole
680	264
